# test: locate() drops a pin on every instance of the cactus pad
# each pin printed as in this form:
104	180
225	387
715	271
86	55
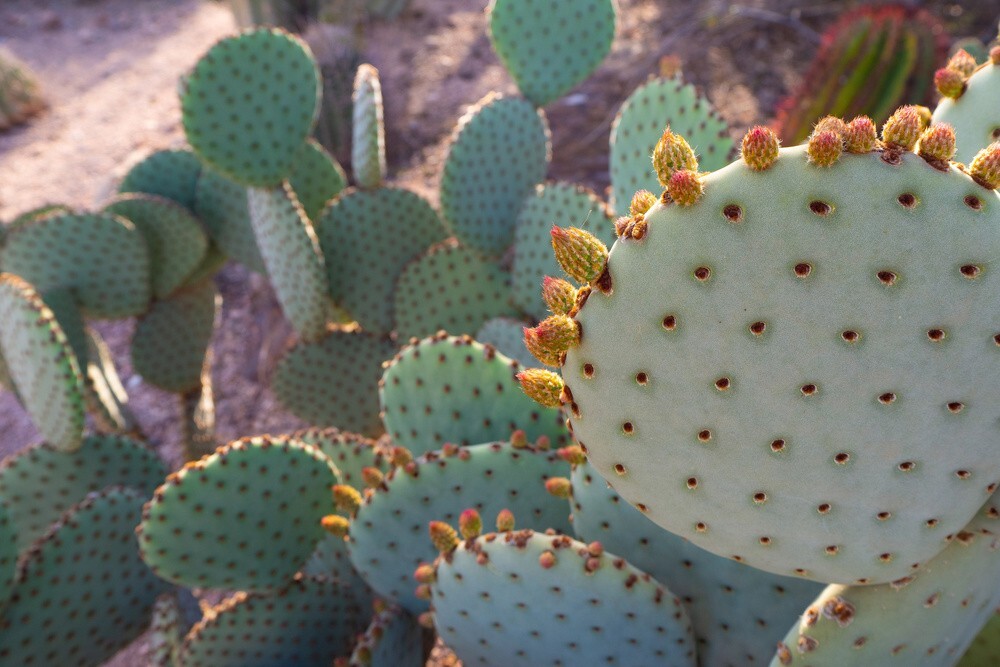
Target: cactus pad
169	173
363	276
388	537
498	153
316	178
230	116
976	114
648	110
68	610
527	598
102	258
507	336
176	242
350	452
246	517
333	381
450	389
41	364
550	48
171	340
368	129
392	638
927	618
450	288
866	426
291	254
221	205
561	204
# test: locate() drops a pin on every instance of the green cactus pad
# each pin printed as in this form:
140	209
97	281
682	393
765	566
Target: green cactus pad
450	288
35	214
832	329
549	49
73	610
67	314
640	123
507	336
246	517
102	258
393	639
350	452
363	276
40	483
176	242
105	395
975	115
171	340
41	364
166	633
500	150
927	618
168	173
221	205
450	389
333	381
305	625
292	256
316	178
8	554
985	648
250	103
388	537
526	598
739	613
561	204
368	129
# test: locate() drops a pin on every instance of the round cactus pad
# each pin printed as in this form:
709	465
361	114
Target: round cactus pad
41	364
246	517
363	276
367	129
305	625
450	288
738	612
73	610
334	381
350	452
562	204
927	618
40	483
393	638
316	178
448	389
549	48
250	103
175	239
499	152
640	123
388	537
507	336
102	258
221	205
832	329
528	598
292	256
168	173
975	115
171	340
8	554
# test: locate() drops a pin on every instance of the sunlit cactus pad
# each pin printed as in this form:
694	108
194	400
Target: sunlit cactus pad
350	452
368	129
975	115
73	610
453	389
246	517
250	103
169	173
528	598
832	329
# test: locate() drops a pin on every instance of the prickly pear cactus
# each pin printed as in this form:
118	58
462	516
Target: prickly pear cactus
971	106
172	174
368	142
392	638
737	302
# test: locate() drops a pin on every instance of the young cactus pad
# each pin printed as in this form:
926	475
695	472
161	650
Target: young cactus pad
975	114
368	129
832	329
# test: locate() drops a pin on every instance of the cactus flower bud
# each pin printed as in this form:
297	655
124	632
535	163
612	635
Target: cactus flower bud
831	124
346	498
443	536
760	147
560	487
672	153
580	254
903	128
985	167
572	455
401	456
426	620
551	338
425	574
336	525
559	295
949	82
547	560
422	592
860	135
825	148
685	187
963	63
542	386
505	521
470	524
542	443
642	201
937	143
372	477
519	439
